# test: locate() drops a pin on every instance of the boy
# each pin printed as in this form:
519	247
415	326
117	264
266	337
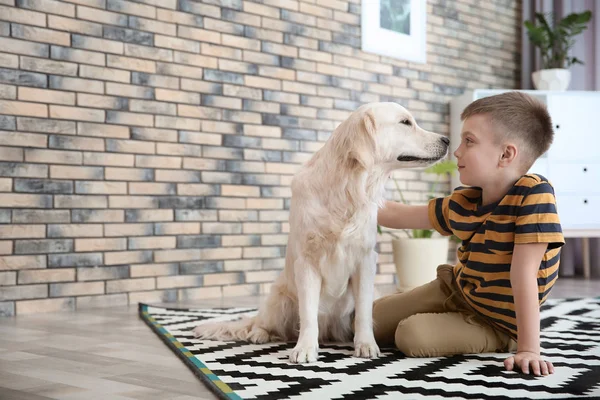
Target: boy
511	239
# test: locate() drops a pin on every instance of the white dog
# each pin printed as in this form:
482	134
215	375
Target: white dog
330	259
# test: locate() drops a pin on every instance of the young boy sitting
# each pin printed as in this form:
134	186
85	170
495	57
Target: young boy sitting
511	238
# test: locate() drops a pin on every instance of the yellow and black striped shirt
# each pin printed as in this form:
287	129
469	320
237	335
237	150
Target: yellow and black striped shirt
526	214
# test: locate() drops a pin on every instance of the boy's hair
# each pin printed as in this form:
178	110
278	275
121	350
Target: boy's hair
517	116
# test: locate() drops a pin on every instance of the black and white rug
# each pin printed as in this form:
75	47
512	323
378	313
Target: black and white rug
236	370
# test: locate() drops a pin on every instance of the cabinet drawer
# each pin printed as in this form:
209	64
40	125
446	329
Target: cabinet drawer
578	211
575	178
576	138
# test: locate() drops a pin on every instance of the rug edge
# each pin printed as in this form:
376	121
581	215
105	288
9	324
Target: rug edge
195	370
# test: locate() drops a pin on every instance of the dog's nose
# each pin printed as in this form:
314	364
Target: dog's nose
445	140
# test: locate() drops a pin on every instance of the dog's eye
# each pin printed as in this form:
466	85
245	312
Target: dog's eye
406	122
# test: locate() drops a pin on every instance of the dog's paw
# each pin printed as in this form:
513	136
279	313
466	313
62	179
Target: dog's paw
302	354
259	336
366	349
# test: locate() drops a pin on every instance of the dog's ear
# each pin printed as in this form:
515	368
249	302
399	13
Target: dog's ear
369	122
353	141
363	147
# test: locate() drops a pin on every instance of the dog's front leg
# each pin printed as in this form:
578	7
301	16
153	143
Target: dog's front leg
308	284
363	288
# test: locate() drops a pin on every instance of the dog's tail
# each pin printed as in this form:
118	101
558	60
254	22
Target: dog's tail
274	322
241	329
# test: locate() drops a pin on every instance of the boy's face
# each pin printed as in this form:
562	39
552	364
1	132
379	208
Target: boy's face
478	154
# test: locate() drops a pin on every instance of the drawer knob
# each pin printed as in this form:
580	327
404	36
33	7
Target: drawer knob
584	201
557	126
584	169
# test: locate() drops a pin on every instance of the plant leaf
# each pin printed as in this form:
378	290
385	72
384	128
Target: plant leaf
537	35
542	18
555	42
575	60
422	233
442	167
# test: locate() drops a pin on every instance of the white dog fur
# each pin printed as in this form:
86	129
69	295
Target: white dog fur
330	258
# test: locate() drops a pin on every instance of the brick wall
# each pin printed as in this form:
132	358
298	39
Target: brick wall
147	147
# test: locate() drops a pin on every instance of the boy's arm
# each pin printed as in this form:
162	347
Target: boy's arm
523	279
403	216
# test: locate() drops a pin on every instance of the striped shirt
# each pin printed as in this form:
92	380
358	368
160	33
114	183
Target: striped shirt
526	214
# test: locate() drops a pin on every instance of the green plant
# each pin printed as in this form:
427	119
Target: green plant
556	41
441	168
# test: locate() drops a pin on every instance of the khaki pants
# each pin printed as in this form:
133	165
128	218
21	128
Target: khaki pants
434	320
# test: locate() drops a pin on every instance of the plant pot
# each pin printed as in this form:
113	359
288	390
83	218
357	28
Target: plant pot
551	79
417	260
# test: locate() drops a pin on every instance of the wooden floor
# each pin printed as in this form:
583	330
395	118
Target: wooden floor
110	354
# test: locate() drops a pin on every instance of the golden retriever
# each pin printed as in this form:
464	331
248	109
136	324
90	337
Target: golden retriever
327	284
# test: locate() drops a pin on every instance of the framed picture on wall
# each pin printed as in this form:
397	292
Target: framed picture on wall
395	28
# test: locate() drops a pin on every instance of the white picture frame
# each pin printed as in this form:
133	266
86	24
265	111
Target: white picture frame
397	35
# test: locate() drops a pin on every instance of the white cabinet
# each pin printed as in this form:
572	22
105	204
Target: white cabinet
576	132
569	177
572	164
581	211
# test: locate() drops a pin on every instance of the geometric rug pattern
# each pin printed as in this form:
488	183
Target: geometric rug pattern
238	370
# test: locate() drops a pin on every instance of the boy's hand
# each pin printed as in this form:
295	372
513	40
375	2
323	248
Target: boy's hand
524	360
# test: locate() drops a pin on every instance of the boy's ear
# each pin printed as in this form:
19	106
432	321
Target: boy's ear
508	155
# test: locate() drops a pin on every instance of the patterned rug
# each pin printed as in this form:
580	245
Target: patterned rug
236	370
